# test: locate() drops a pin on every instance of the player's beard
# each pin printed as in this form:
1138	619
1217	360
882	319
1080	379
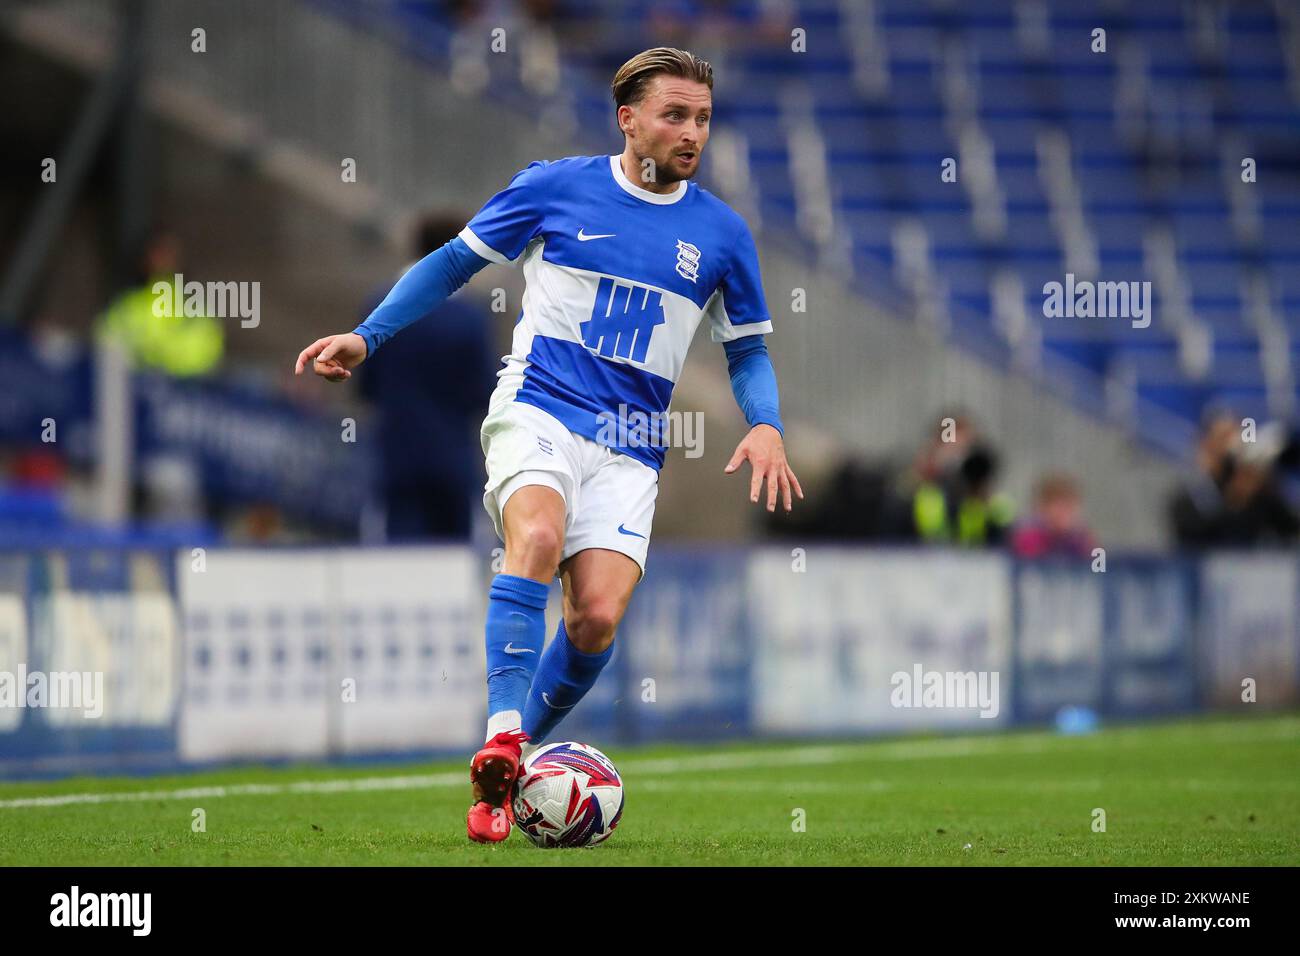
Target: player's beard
667	173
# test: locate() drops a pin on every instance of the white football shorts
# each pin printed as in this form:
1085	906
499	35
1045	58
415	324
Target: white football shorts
609	498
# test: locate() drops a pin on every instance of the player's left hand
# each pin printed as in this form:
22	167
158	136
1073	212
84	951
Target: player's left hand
766	453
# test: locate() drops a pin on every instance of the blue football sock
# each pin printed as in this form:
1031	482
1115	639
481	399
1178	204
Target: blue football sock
516	631
565	675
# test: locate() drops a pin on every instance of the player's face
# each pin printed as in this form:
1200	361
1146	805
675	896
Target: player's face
670	126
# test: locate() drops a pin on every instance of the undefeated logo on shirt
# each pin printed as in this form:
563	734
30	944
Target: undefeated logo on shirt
622	320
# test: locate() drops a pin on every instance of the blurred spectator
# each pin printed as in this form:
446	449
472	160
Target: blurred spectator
951	488
1056	528
1233	499
961	507
946	447
430	386
539	54
1255	512
1196	506
528	37
179	345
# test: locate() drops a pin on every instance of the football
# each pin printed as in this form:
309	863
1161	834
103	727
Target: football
568	794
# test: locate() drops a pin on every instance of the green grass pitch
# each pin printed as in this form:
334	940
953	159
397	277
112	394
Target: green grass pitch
1198	792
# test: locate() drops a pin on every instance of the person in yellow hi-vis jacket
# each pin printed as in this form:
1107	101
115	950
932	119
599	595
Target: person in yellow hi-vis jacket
961	508
155	335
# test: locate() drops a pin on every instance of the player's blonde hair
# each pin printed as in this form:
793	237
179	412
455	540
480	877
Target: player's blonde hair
634	76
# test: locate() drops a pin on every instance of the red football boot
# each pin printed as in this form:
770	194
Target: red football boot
493	771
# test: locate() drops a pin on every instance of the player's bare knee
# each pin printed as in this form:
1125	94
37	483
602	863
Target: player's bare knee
590	639
592	624
536	544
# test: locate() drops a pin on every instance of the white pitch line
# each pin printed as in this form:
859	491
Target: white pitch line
733	760
649	768
358	784
803	787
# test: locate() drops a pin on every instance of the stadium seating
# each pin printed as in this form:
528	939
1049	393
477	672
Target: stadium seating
1117	166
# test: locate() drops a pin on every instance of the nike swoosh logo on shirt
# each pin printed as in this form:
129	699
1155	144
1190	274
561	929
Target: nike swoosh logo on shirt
547	701
622	530
511	649
583	237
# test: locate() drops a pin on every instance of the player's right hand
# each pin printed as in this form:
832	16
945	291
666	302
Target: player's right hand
333	357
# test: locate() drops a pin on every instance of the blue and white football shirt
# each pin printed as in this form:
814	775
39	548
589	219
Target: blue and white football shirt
618	279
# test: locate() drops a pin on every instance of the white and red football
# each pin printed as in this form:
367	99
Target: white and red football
568	794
